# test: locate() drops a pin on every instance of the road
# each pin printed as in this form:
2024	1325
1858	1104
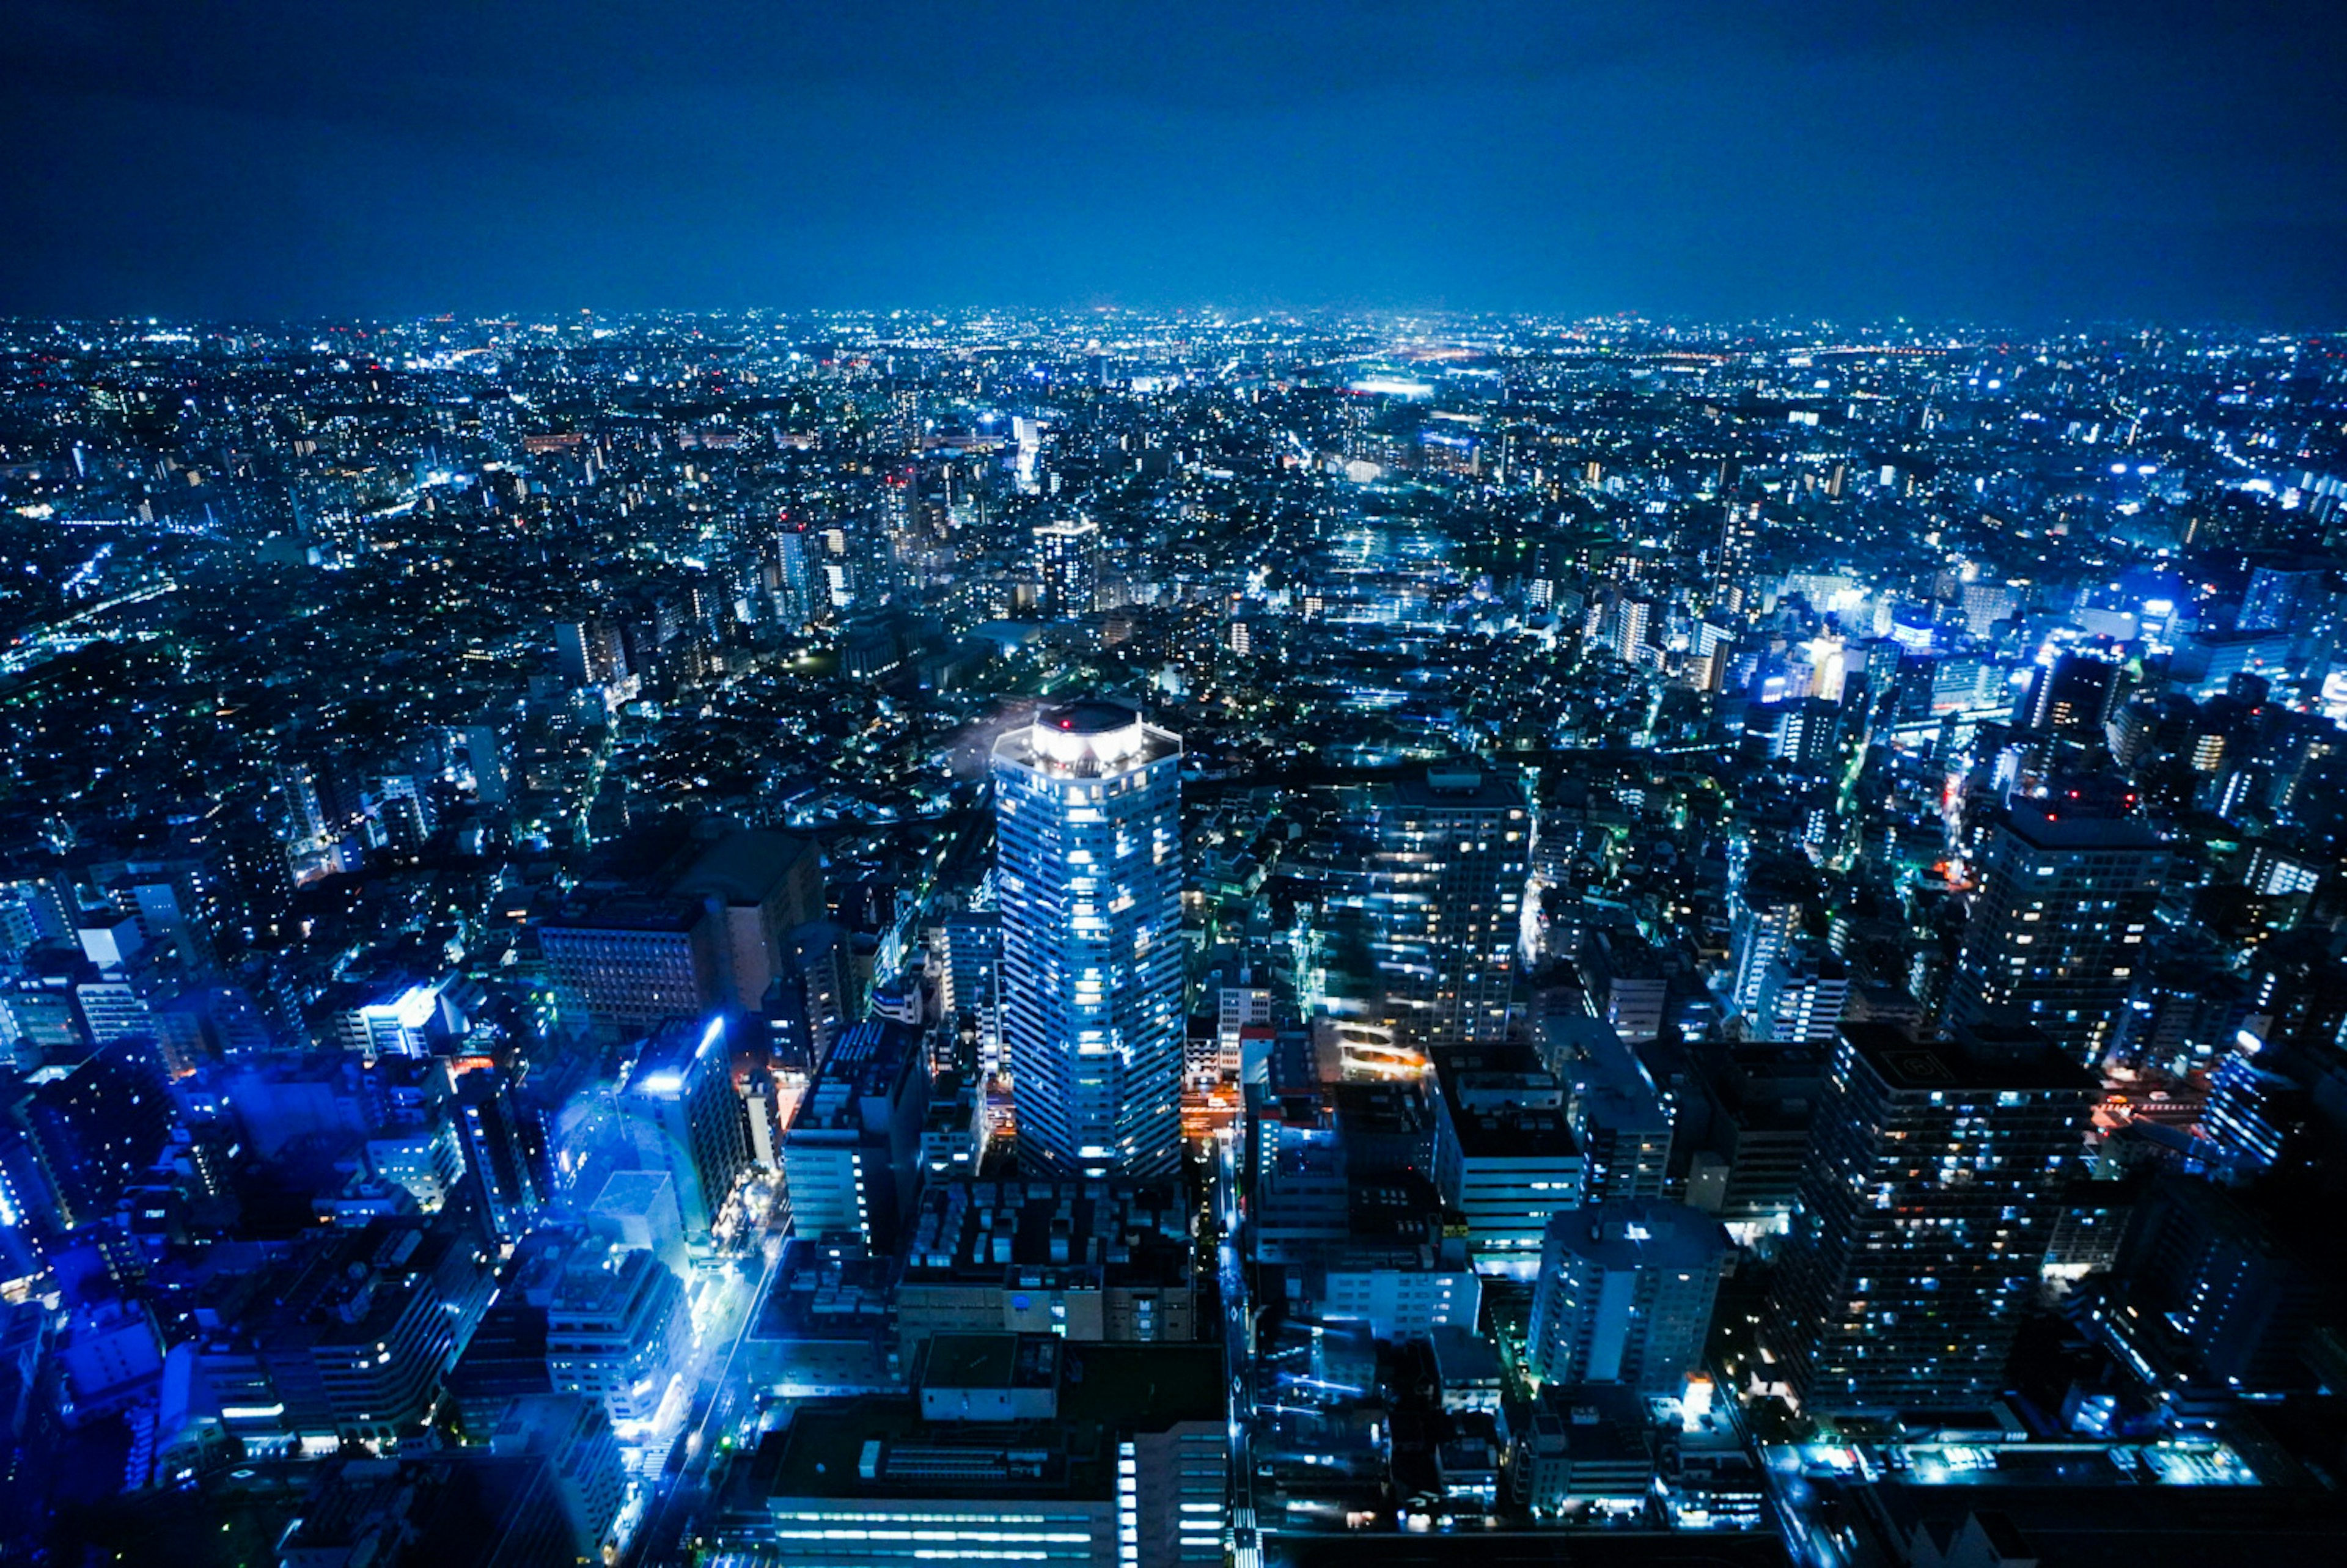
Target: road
1238	1358
678	1489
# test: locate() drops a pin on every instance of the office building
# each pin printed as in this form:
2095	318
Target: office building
813	997
491	1131
1509	1159
851	1157
1089	884
628	965
1617	1110
1396	1301
1086	1262
2213	1299
573	1436
761	885
617	1332
681	1115
1107	1456
350	1338
1625	1294
2075	695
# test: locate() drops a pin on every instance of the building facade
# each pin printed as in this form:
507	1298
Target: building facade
1625	1294
1446	885
2062	924
1937	1180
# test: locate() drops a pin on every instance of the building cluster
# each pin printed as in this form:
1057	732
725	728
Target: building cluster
1143	940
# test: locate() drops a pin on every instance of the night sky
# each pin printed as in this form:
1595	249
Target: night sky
2021	162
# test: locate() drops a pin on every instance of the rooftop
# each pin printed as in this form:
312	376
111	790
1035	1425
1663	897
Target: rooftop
1023	1232
1982	1063
1088	738
745	867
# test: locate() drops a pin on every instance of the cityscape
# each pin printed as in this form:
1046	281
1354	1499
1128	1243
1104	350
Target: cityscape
1142	939
1559	784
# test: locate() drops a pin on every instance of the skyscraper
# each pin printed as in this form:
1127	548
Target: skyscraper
1067	556
1446	888
2061	922
1089	882
1934	1183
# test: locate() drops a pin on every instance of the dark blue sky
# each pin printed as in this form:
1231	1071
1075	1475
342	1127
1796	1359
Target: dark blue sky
2020	162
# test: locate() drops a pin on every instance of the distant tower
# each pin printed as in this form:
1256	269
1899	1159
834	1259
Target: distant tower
1067	557
1088	831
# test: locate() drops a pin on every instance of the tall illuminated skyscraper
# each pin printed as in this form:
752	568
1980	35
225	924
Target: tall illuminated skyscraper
1088	872
1931	1191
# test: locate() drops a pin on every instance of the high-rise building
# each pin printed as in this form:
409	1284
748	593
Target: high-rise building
1801	997
1767	905
1616	1111
1088	883
1633	622
1506	1158
629	965
813	998
95	1130
1625	1294
1446	885
763	886
849	1159
1936	1179
489	1129
2074	695
1066	559
2061	925
574	1436
617	1331
683	1117
2210	1295
970	981
2284	597
799	597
